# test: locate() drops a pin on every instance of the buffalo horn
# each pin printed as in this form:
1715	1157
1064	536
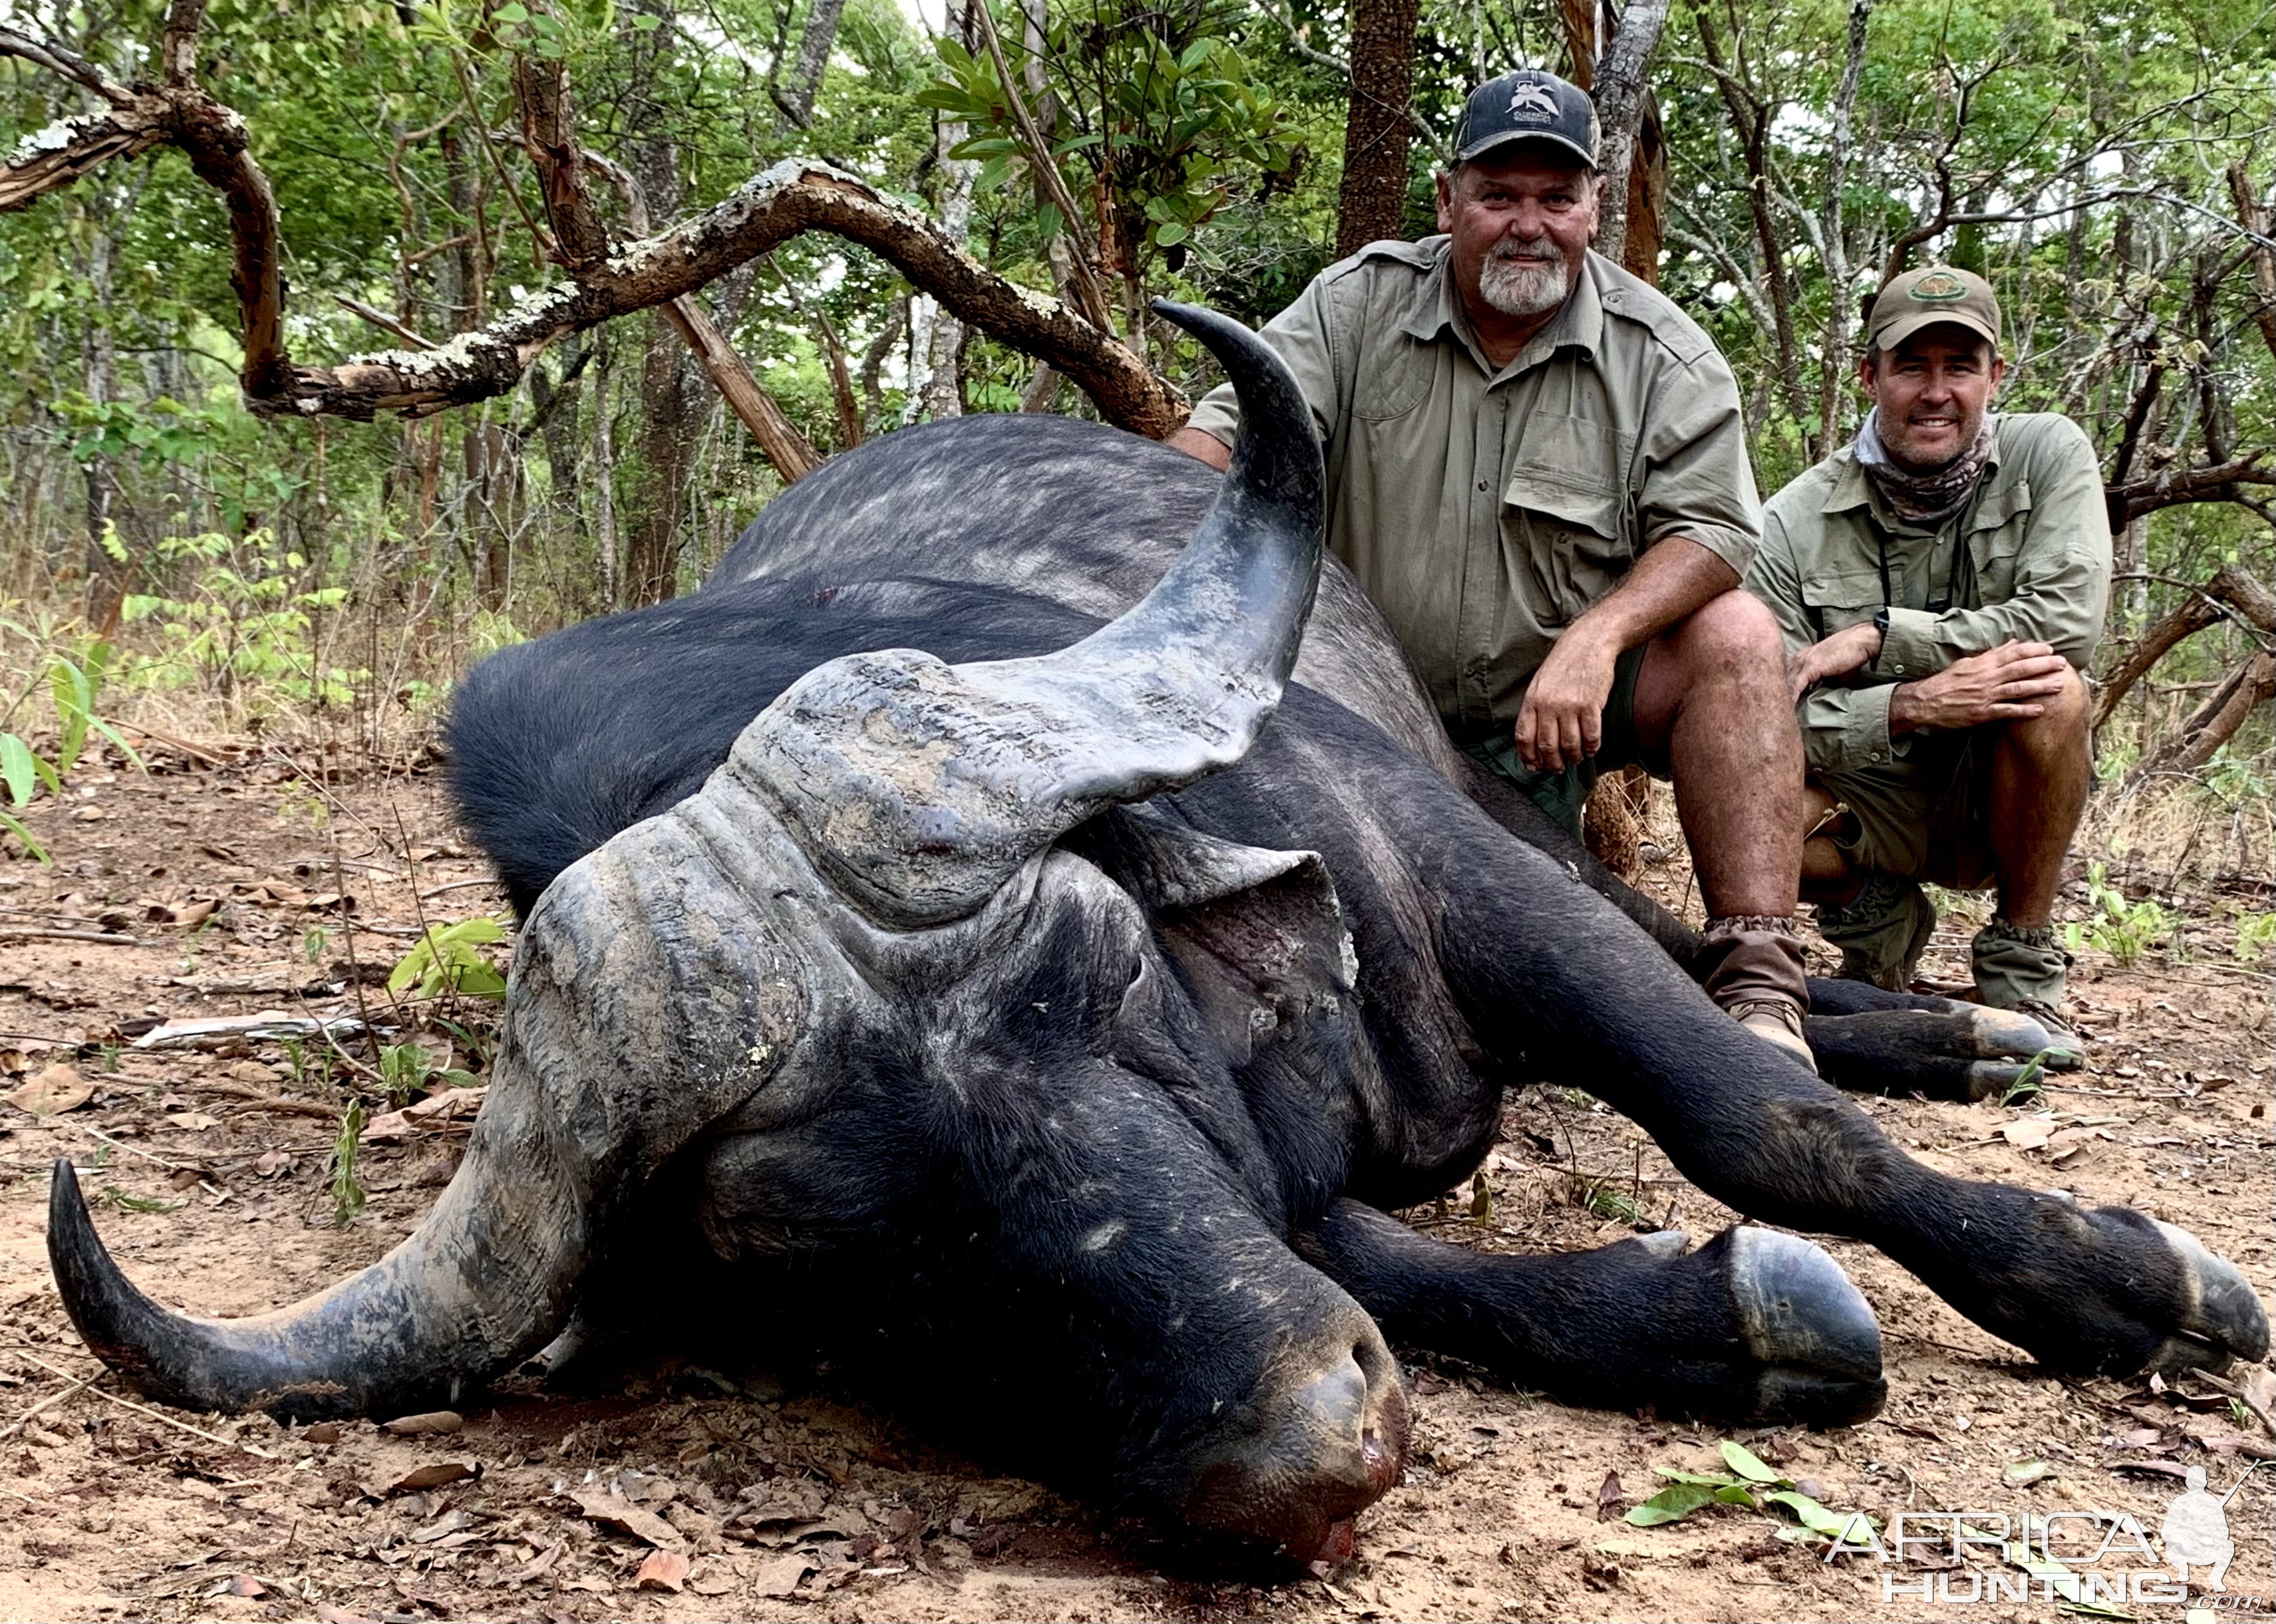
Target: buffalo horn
919	787
619	1045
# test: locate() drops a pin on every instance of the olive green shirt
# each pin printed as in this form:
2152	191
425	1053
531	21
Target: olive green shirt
1483	509
2026	560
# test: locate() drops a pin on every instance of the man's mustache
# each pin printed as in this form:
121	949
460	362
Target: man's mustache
1539	250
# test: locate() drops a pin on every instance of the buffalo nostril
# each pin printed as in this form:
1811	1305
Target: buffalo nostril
1335	1401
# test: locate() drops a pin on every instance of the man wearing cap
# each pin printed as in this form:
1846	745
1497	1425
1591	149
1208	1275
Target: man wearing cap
1941	582
1537	470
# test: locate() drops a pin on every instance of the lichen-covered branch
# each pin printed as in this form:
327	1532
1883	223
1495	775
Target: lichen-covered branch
791	198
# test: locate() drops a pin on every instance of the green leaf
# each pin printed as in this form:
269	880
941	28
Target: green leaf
1670	1504
12	826
1748	1464
1819	1519
1712	1479
1175	232
17	768
1737	1494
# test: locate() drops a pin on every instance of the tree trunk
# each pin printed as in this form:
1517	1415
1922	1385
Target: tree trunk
604	482
795	103
1372	204
1620	97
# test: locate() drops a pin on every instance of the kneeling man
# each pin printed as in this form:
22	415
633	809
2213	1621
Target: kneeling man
1537	470
1941	584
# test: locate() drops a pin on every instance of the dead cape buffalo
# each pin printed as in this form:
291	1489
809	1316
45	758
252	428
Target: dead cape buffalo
1041	1024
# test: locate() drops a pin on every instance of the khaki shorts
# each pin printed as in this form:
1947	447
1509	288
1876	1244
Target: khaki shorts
1923	813
1563	795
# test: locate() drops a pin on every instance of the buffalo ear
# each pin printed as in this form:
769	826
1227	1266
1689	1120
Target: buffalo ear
1258	935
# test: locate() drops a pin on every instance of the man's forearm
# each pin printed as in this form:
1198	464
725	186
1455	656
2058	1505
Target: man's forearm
1675	579
1202	446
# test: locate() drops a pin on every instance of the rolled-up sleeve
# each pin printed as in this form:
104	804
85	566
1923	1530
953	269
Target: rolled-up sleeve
1696	481
2062	575
1841	727
1300	333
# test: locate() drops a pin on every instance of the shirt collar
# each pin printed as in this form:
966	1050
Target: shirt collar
1578	325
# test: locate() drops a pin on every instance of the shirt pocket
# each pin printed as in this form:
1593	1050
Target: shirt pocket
1995	542
1564	505
1393	377
1838	597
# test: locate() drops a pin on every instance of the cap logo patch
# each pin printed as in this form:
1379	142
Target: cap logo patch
1530	102
1937	287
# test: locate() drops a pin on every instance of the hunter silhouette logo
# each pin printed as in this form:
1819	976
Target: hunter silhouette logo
1533	101
1937	286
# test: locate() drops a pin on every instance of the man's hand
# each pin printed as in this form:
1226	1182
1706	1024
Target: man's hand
1852	649
1562	721
2006	684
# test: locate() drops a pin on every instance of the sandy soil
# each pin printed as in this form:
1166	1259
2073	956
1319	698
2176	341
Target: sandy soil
764	1495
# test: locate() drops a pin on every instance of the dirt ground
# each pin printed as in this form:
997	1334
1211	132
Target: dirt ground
766	1495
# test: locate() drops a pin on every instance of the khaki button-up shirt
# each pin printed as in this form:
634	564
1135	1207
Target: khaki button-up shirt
1483	509
2026	560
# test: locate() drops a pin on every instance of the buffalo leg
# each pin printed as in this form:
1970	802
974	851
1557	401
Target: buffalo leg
1753	1326
1860	1035
1595	1004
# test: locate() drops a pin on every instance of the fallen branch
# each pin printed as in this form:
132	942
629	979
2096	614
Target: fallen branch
144	1409
2231	594
23	933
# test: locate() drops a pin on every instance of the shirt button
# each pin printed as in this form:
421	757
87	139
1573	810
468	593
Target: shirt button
1486	484
1899	670
1875	756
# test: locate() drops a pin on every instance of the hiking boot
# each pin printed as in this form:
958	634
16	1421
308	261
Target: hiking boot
1775	1019
1751	965
1882	932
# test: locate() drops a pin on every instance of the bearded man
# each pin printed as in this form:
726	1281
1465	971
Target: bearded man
1941	582
1537	470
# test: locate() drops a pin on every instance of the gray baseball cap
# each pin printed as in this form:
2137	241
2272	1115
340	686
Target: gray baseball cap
1529	105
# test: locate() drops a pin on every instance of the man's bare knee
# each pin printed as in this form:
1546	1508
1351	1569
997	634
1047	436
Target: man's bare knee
2062	724
1733	630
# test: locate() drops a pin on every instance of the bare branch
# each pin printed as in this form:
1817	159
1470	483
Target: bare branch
382	320
50	159
66	64
2211	483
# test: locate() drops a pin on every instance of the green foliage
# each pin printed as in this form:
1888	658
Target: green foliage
126	1201
2123	929
71	683
2255	933
246	622
1752	1485
348	1197
449	958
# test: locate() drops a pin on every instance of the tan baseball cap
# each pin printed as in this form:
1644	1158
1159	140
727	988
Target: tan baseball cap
1915	299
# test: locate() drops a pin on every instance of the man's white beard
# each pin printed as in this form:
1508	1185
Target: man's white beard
1518	285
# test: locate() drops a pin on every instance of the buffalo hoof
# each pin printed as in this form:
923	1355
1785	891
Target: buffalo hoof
1961	1051
2223	1319
1812	1334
